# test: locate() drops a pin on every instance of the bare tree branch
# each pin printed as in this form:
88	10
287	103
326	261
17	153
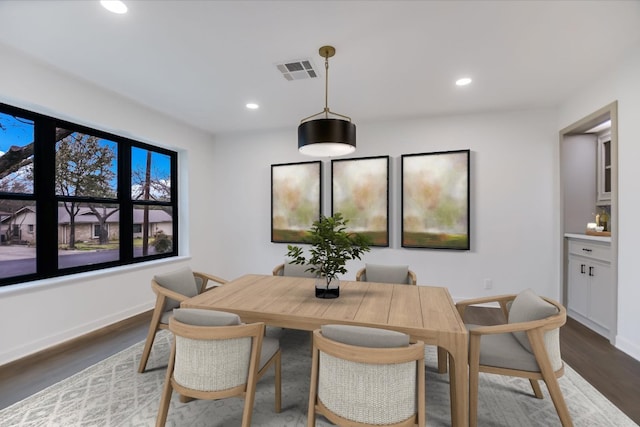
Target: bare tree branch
18	157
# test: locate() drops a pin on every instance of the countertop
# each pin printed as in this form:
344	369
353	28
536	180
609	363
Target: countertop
587	237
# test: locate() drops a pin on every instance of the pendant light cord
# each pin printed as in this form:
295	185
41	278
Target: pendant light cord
326	87
326	110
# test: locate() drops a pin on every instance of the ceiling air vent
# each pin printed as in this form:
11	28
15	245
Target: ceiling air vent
297	70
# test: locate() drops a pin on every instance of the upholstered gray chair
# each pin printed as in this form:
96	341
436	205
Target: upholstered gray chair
366	377
293	270
214	356
387	274
172	288
527	346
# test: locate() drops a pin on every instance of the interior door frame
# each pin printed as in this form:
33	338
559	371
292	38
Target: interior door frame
581	126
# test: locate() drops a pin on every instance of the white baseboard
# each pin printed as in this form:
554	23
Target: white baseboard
59	338
631	348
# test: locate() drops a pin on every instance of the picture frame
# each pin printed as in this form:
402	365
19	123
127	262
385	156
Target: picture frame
296	200
360	192
435	200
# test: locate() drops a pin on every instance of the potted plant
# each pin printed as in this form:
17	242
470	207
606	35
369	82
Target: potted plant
331	247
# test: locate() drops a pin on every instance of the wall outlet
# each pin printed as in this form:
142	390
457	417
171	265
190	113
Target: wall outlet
488	283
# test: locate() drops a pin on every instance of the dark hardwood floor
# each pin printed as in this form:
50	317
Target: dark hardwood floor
27	376
615	374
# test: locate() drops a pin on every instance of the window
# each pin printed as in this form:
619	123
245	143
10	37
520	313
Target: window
151	195
97	230
115	198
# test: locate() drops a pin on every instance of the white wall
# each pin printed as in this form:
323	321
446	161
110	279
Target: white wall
514	199
621	84
42	314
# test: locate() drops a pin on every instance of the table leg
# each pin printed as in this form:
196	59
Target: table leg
459	385
453	387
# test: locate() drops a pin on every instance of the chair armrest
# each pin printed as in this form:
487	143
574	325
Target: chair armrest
278	269
167	292
500	299
512	327
206	277
359	274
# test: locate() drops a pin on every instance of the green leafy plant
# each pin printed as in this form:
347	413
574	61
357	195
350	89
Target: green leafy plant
331	247
162	243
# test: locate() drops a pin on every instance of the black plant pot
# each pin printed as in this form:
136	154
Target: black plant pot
330	291
323	292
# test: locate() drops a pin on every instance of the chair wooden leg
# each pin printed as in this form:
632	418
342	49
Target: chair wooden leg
165	400
151	335
147	350
474	372
422	400
249	399
186	399
278	381
549	377
313	389
452	387
536	388
558	400
250	395
164	404
443	355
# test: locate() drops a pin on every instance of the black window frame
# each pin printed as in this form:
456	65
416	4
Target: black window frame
46	199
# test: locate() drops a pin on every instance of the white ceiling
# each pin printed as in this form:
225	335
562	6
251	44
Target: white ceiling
202	61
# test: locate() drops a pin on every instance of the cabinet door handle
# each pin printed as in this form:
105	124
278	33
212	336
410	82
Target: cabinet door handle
582	266
586	249
591	271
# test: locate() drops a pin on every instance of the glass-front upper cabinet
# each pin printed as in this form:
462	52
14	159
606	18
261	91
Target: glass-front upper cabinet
604	169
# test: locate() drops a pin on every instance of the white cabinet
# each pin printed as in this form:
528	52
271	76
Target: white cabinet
590	297
604	169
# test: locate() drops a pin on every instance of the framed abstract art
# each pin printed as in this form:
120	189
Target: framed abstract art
360	192
296	190
435	200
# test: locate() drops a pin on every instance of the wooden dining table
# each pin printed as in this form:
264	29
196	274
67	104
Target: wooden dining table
426	313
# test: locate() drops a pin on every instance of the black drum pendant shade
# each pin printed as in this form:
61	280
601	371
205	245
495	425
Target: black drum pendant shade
325	137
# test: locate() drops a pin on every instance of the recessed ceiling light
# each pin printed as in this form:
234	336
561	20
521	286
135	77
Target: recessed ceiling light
463	81
115	6
252	106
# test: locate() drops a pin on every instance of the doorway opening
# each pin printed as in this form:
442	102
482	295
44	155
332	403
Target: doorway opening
589	218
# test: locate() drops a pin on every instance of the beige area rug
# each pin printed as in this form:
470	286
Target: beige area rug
112	393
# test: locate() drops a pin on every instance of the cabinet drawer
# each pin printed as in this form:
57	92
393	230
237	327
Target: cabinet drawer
601	251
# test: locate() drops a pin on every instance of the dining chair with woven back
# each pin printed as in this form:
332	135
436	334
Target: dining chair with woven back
363	376
215	356
171	289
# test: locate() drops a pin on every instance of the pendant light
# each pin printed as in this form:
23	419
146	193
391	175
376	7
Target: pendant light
326	136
